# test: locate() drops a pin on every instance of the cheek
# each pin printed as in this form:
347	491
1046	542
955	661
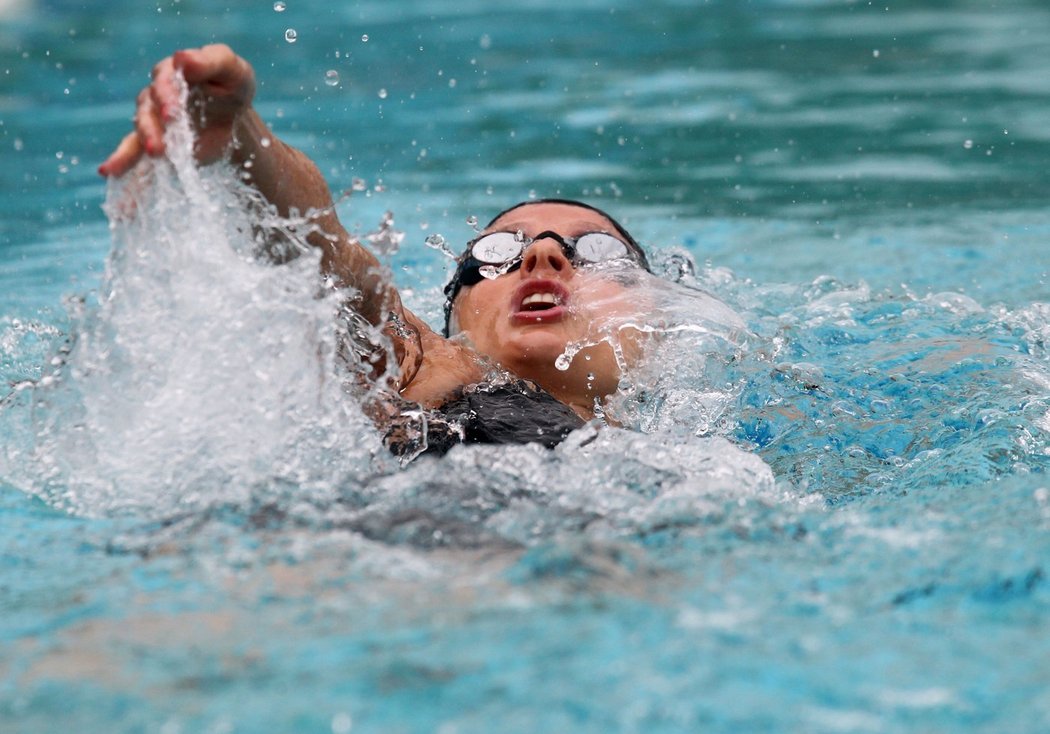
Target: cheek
477	307
606	305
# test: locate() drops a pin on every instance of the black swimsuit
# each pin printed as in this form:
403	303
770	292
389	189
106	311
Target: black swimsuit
495	413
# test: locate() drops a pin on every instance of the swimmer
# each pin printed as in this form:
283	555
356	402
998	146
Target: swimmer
518	320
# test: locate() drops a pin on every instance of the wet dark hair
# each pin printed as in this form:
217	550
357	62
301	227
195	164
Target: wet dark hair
454	285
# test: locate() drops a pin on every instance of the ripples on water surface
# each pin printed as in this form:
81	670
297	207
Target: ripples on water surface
832	519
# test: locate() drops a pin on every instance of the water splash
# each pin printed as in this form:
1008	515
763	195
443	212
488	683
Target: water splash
438	242
670	341
204	384
386	240
491	272
203	370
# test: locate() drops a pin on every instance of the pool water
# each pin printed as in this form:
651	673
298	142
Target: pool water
826	511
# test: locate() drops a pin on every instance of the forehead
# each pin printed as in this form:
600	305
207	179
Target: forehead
564	219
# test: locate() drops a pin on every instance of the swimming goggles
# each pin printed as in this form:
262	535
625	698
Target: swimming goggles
504	252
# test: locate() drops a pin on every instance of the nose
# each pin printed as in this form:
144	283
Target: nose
545	254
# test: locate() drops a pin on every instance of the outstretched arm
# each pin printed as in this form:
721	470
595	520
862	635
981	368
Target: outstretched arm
222	86
221	89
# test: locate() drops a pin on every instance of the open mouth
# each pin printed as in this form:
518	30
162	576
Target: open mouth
540	301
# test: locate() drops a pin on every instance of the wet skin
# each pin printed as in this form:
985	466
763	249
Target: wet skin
495	324
528	340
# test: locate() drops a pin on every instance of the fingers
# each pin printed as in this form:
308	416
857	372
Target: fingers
149	123
124	157
227	79
148	136
165	92
218	69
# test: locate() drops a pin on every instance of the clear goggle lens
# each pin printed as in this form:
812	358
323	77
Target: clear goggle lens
502	247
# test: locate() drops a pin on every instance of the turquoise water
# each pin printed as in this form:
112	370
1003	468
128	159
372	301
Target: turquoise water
834	522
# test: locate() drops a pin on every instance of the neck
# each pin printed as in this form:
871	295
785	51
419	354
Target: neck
581	396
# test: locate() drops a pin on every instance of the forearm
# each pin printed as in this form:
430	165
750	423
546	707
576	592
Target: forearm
292	183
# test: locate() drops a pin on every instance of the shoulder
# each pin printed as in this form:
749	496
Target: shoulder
444	367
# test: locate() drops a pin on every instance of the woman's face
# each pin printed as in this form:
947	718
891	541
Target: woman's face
511	319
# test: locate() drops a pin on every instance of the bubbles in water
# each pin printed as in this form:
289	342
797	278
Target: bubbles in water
382	93
279	7
968	144
472	222
291	36
364	38
358	184
331	78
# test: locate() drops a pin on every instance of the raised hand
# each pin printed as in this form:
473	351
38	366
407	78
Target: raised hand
221	88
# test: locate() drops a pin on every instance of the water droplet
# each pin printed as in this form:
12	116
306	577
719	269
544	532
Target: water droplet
472	222
364	38
342	723
279	7
386	240
875	53
265	142
485	41
489	272
382	93
968	144
331	78
291	36
19	145
439	243
358	184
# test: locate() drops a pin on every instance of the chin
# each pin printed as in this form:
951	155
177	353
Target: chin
536	347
